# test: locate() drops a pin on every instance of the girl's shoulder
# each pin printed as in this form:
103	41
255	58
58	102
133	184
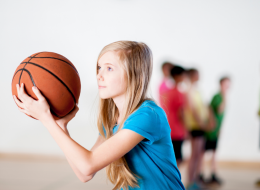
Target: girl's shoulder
149	120
150	107
151	111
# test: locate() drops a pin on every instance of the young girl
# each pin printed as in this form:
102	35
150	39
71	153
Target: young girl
134	142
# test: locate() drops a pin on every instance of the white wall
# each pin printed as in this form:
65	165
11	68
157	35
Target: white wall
218	37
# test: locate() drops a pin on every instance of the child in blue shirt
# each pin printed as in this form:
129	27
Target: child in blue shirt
134	142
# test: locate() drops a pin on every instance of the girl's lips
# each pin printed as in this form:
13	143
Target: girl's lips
101	87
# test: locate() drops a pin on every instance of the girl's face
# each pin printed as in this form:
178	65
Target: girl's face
111	77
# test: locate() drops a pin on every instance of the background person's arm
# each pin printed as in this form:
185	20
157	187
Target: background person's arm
212	120
195	114
222	105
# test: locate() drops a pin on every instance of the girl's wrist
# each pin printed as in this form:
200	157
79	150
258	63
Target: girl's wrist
62	125
46	117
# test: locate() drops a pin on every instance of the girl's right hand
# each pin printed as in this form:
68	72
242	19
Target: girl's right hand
63	122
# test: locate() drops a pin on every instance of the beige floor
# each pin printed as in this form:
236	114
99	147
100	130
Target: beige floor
55	174
45	174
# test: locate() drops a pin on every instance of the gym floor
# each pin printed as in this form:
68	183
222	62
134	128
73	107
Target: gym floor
44	173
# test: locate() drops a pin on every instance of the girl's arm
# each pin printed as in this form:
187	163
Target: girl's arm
89	162
82	177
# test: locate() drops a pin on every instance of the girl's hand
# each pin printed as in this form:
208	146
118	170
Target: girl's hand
65	120
38	109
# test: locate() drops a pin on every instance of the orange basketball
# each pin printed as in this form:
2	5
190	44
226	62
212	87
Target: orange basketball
56	78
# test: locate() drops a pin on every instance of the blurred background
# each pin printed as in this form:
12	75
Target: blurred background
216	37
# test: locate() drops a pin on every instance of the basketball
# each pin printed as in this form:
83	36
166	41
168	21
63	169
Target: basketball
55	76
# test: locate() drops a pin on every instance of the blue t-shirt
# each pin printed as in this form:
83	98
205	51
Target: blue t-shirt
153	159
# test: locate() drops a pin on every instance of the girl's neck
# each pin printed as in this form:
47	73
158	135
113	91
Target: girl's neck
119	101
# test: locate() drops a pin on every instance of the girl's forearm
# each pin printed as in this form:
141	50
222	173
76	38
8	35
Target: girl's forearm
78	155
82	177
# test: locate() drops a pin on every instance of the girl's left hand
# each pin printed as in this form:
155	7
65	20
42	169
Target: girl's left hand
63	122
38	109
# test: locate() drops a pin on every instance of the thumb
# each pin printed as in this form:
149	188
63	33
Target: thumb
75	110
37	93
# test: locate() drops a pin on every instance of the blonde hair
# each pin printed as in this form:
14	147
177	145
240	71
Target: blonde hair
136	60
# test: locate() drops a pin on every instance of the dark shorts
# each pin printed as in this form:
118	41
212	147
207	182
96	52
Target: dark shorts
211	144
197	133
177	145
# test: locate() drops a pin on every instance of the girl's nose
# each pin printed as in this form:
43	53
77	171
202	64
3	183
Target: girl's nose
99	76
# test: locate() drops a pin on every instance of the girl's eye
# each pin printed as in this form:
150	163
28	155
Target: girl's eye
108	68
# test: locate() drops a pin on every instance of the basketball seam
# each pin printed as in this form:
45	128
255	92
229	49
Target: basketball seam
25	66
57	59
15	74
29	74
35	85
56	78
28	62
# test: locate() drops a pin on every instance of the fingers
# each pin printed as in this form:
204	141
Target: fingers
18	102
76	109
21	93
24	111
37	93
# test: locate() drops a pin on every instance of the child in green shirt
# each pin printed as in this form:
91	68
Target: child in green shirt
217	109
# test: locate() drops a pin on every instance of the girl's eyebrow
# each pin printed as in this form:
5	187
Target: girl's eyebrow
107	64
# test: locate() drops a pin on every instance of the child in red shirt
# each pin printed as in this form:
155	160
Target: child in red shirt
167	82
174	103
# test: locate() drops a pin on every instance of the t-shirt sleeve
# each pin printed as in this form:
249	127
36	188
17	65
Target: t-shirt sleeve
145	121
216	101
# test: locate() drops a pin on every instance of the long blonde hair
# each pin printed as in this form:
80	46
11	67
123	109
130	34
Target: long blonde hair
136	60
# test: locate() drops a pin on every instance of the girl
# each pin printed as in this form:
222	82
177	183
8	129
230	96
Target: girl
134	143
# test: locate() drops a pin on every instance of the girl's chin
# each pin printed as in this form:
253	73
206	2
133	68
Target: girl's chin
104	97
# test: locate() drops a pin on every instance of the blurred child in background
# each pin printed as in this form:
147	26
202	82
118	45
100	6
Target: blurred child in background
174	104
167	82
196	118
218	106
